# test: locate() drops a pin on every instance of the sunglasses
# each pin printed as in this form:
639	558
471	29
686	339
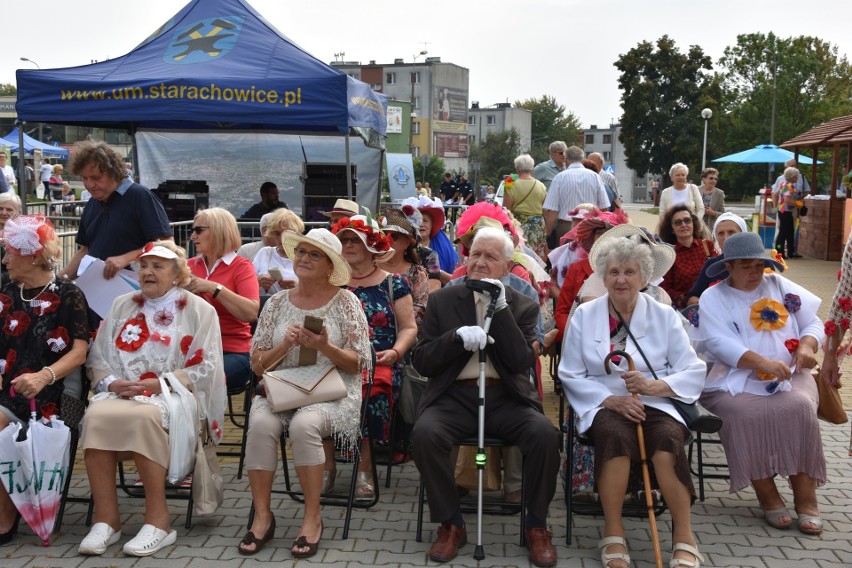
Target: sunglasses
712	177
197	230
678	222
397	236
313	255
349	240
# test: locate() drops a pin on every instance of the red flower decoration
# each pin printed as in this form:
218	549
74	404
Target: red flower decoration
195	359
791	345
830	328
379	319
163	317
5	304
8	363
48	410
139	299
48	302
133	334
148	375
844	324
16	323
58	340
845	304
408	210
185	342
182	301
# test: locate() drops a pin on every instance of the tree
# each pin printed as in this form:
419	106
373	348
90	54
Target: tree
663	92
8	89
496	155
549	123
434	172
812	85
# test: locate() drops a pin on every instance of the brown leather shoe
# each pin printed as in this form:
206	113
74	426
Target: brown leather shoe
450	539
541	548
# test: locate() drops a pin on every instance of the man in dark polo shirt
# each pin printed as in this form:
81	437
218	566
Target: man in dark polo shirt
120	218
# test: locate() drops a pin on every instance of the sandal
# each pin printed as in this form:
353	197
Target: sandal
606	558
815	521
6	537
249	539
302	542
773	518
329	476
695	563
363	488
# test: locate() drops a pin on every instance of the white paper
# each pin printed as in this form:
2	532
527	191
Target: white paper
100	292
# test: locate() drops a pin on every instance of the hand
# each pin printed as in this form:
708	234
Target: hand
779	369
112	265
265	281
830	371
201	286
128	389
626	406
286	284
387	357
804	357
311	340
636	382
501	298
30	384
473	337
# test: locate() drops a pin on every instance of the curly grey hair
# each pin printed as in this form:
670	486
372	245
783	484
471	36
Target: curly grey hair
620	251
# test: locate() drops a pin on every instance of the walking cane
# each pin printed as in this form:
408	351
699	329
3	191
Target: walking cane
643	456
493	292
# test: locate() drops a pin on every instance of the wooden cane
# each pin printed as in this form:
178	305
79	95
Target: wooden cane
643	456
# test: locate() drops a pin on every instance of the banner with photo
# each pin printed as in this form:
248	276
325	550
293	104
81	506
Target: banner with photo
394	120
400	176
449	104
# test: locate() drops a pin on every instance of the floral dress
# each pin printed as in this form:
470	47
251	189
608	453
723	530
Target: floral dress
36	333
381	319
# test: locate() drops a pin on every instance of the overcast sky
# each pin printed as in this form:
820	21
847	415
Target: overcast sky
514	50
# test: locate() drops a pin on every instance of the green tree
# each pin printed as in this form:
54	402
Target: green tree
550	122
812	84
8	89
434	172
495	156
663	92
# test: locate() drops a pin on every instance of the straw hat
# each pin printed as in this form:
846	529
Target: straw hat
368	230
324	240
663	255
743	246
343	207
397	221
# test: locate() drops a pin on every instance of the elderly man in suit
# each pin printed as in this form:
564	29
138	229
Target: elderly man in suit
447	352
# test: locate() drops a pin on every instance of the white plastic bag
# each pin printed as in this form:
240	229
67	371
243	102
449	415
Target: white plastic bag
183	421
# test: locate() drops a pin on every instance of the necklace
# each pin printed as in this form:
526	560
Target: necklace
375	269
34	300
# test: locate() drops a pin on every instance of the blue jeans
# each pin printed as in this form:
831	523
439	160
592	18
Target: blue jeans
238	371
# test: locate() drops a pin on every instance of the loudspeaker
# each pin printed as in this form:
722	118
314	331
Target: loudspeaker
323	184
183	198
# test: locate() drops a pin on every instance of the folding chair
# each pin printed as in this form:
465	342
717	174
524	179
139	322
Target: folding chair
71	411
698	469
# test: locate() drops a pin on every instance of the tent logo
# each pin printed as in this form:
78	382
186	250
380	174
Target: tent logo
204	40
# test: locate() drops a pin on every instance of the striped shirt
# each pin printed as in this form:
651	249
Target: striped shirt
572	187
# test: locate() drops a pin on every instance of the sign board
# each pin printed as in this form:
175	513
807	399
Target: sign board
400	176
610	168
394	120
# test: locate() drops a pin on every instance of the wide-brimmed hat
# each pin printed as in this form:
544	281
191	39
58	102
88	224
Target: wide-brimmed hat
743	246
662	255
26	235
343	207
397	221
429	206
368	230
324	240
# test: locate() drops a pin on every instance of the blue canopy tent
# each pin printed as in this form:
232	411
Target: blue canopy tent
31	144
216	66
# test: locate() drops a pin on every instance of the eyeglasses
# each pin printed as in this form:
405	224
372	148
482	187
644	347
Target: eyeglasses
313	255
349	240
712	177
684	221
397	236
197	230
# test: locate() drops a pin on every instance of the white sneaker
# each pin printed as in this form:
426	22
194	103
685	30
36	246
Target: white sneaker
149	540
100	537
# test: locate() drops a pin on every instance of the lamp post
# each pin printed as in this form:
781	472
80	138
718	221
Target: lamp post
31	61
413	113
705	114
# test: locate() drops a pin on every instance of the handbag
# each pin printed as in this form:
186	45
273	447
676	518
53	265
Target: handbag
803	211
183	416
830	406
208	485
295	387
695	416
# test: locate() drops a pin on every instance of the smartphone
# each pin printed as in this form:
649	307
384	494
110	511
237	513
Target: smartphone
308	356
275	272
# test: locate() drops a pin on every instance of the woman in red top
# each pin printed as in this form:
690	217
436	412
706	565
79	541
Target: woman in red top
230	284
681	228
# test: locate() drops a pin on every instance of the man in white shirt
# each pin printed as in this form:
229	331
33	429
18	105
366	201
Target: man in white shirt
8	171
570	188
45	171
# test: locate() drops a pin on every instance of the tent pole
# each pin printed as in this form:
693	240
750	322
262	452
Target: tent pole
22	189
348	170
381	181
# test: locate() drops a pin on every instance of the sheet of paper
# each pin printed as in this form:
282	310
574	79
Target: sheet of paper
100	292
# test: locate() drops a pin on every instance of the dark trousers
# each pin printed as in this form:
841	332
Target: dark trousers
454	416
786	233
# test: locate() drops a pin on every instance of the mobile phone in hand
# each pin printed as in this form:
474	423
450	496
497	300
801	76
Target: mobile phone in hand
275	272
307	355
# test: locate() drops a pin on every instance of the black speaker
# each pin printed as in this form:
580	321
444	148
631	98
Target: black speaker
323	184
183	198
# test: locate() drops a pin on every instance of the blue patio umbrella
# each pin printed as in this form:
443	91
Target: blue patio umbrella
764	154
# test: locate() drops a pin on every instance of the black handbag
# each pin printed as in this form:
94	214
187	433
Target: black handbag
696	417
803	211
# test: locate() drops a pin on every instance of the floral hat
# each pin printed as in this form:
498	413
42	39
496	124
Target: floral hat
26	235
368	230
432	207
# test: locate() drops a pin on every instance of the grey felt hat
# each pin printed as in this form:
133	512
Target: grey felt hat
743	246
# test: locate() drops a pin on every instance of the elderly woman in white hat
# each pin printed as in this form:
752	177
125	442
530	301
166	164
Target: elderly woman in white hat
727	224
344	342
161	329
762	331
626	319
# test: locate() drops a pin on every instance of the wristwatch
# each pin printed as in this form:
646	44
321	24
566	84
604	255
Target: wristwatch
218	289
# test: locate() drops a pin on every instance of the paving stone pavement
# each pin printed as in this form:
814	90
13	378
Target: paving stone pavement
728	527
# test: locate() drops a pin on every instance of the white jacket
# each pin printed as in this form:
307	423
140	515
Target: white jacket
693	200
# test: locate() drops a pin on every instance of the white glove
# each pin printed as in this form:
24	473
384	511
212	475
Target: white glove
473	337
501	299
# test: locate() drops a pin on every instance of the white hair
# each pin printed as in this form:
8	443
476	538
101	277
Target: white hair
678	166
495	234
574	154
524	163
264	220
791	173
558	146
621	251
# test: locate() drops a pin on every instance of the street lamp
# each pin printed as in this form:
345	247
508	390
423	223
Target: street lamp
413	113
31	61
705	114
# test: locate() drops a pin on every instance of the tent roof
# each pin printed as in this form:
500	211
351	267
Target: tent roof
835	131
31	143
215	64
